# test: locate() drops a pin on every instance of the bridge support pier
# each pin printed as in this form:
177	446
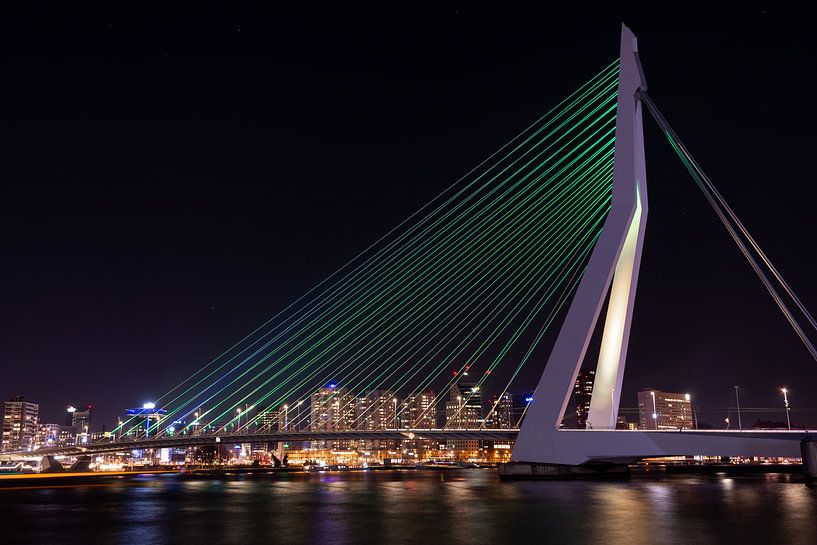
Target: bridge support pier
517	471
808	450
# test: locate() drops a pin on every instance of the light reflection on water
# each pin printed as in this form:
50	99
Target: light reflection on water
470	507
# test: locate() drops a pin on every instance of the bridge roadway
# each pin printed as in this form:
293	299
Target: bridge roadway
286	436
609	444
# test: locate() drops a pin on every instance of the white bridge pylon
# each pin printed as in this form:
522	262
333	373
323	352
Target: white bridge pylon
613	268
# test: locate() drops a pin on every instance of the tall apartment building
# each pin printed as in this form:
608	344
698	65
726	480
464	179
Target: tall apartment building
20	420
659	410
582	393
332	409
377	410
502	416
79	420
419	411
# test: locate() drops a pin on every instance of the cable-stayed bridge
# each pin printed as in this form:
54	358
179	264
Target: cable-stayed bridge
510	266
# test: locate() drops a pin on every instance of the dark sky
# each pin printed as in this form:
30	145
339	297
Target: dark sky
167	187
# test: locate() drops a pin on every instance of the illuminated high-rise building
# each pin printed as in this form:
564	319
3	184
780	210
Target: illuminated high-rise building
463	410
20	420
659	410
48	435
502	412
81	422
377	410
267	421
332	409
582	392
419	411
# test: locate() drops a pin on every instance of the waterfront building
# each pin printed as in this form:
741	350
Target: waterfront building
463	410
659	410
582	393
268	421
79	419
502	415
419	411
66	436
47	435
332	409
377	410
20	420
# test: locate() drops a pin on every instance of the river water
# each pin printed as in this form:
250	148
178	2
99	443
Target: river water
413	507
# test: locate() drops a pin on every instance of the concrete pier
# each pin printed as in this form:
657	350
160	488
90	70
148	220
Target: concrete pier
808	450
512	471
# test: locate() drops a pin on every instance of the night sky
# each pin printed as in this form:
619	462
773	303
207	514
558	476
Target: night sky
168	187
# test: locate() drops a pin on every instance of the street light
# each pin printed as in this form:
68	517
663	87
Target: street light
654	411
238	410
286	417
786	402
737	400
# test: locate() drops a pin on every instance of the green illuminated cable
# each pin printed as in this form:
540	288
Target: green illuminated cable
584	142
359	368
605	72
465	365
520	305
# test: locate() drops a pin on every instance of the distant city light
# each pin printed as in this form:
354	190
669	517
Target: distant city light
71	409
149	405
528	399
333	386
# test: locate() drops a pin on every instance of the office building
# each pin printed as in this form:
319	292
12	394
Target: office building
463	410
48	435
267	421
659	410
502	412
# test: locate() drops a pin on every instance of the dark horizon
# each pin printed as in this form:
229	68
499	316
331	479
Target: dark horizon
170	187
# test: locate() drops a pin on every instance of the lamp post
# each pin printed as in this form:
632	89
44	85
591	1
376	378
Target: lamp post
786	403
737	400
238	410
286	417
654	411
